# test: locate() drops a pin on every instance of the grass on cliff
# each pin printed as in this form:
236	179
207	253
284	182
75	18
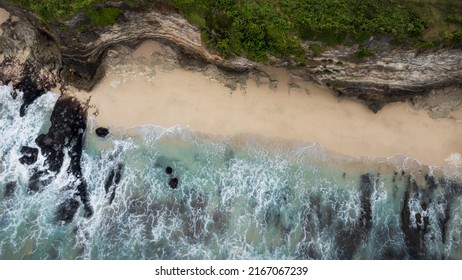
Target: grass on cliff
260	28
104	16
51	10
59	10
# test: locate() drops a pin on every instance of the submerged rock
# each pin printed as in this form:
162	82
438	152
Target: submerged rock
350	238
39	180
10	188
112	181
366	187
173	183
66	210
102	132
29	155
169	170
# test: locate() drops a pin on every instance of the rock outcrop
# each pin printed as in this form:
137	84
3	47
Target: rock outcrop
392	74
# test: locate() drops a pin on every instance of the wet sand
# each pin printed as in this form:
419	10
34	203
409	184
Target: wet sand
304	112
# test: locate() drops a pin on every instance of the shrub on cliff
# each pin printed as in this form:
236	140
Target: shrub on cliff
103	16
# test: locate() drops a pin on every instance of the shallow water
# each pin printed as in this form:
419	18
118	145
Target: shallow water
237	198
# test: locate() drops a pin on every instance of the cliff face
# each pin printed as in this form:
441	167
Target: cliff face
73	55
26	49
391	75
82	52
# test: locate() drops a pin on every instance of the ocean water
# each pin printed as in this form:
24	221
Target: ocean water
238	197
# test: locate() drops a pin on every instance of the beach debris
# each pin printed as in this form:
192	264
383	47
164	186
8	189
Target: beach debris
102	132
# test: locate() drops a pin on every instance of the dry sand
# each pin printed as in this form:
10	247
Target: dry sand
4	16
309	113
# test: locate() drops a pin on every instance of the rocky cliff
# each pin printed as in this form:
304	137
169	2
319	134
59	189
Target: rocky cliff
73	52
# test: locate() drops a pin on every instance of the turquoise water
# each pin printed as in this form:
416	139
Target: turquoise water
238	197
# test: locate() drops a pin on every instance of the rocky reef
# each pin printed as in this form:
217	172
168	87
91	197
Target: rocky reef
73	52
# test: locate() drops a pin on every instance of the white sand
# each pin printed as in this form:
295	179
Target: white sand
190	99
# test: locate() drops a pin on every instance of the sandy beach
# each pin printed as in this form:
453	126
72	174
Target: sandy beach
4	16
295	110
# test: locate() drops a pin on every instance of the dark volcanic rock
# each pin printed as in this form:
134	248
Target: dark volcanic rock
112	181
30	93
366	187
431	184
443	223
66	210
169	170
413	237
173	183
29	155
66	133
102	132
349	239
39	180
10	188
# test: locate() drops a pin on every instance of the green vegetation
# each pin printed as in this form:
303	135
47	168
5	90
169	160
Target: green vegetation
51	10
363	52
317	49
56	10
251	28
259	28
103	17
424	45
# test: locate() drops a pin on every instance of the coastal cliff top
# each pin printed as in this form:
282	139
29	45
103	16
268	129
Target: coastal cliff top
263	28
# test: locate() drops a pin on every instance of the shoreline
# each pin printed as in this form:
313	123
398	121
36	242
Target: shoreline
134	95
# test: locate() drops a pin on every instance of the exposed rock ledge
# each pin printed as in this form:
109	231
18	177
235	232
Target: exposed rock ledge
73	56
